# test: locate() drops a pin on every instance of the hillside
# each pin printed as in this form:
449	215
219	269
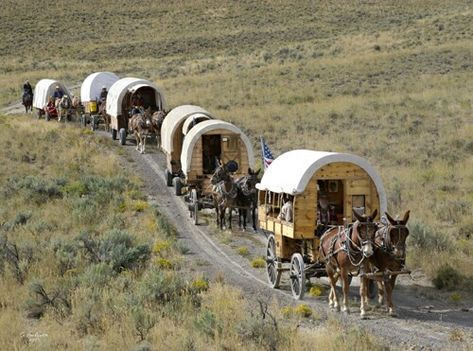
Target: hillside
390	81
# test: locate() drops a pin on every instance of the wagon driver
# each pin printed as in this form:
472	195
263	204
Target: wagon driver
103	94
58	93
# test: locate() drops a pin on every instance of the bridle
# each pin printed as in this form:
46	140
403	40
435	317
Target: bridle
387	236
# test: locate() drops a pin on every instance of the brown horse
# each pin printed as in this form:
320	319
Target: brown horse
157	122
390	256
224	193
347	250
77	107
103	113
141	126
247	199
27	101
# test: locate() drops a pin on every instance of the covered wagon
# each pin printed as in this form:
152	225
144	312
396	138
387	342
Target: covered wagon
204	146
90	92
176	125
303	193
43	91
126	93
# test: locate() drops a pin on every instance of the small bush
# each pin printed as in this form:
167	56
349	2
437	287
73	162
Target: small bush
447	278
258	263
243	251
455	298
139	205
200	284
316	290
303	310
160	247
163	263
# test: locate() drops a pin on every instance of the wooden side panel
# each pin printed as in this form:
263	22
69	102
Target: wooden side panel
196	160
285	246
177	148
305	212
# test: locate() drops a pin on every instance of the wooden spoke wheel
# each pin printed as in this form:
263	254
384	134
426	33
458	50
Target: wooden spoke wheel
297	276
273	264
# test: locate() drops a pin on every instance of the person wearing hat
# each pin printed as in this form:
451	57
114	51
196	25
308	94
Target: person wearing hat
103	94
58	93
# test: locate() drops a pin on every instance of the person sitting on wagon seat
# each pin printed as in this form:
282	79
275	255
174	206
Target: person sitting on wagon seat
103	94
325	217
286	210
58	93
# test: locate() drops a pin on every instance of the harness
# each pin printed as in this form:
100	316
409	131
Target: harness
352	250
232	193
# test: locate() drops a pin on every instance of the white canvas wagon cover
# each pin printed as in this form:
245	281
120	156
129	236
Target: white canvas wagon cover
172	121
291	172
119	89
206	126
44	89
92	85
192	118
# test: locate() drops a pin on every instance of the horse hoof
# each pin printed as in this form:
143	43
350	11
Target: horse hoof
363	315
346	310
392	314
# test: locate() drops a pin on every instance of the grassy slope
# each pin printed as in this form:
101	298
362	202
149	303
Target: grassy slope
391	81
86	263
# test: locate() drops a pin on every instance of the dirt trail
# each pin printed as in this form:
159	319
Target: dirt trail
427	320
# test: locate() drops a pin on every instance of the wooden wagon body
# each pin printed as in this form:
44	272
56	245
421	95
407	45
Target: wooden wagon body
346	182
202	146
43	90
90	95
119	102
175	126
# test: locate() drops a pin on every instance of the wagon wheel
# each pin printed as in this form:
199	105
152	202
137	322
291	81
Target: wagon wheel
273	264
297	275
194	205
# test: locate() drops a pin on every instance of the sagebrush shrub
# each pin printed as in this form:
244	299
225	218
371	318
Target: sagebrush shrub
447	278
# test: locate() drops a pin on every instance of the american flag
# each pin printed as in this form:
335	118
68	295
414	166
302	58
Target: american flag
267	155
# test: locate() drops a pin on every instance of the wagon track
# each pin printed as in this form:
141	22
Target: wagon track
426	320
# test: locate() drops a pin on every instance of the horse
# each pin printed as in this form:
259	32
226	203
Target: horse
157	122
77	106
347	250
103	112
389	255
247	198
27	101
62	106
224	193
141	126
